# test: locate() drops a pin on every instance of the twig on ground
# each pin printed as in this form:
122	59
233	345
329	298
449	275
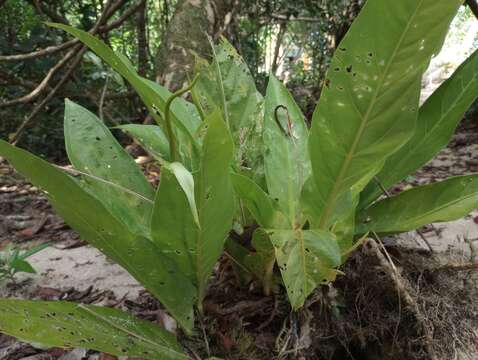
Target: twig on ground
458	267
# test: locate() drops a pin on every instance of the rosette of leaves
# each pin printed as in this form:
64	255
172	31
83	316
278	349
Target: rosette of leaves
244	169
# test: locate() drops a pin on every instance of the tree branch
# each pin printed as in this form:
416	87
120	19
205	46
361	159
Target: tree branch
44	83
295	18
50	50
108	12
42	52
43	9
15	137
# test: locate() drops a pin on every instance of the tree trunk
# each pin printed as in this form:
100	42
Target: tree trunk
193	21
142	41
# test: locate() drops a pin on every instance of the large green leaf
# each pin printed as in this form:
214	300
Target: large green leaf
286	159
368	106
153	95
196	246
306	259
260	205
67	325
214	197
151	138
261	262
236	96
92	149
437	120
84	213
173	227
447	200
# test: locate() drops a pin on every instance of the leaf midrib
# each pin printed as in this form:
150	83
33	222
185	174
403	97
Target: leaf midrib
336	187
154	345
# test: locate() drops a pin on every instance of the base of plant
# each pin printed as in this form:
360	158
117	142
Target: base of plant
365	315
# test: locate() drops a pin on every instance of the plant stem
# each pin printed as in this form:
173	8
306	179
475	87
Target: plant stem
167	117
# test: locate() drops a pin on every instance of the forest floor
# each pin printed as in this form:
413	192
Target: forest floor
422	307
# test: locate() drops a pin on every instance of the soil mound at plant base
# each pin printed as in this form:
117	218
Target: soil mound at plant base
416	308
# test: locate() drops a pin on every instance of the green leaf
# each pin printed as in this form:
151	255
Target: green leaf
93	149
286	159
153	95
261	262
26	254
173	226
306	259
243	104
67	325
447	200
196	247
20	265
151	138
214	197
437	120
368	106
343	221
258	202
258	263
85	214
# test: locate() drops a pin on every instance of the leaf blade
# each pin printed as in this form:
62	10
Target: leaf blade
367	109
446	200
286	159
306	258
437	120
63	324
92	149
86	215
151	138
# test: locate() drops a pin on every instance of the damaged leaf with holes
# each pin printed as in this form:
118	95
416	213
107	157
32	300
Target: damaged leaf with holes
243	171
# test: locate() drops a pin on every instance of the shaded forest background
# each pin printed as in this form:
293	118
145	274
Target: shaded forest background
40	66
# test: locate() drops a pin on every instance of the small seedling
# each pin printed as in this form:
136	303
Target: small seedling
14	261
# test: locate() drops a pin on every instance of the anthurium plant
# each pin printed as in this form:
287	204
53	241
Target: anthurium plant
243	173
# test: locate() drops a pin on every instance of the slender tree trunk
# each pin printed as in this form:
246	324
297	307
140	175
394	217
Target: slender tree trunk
142	41
187	34
280	36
